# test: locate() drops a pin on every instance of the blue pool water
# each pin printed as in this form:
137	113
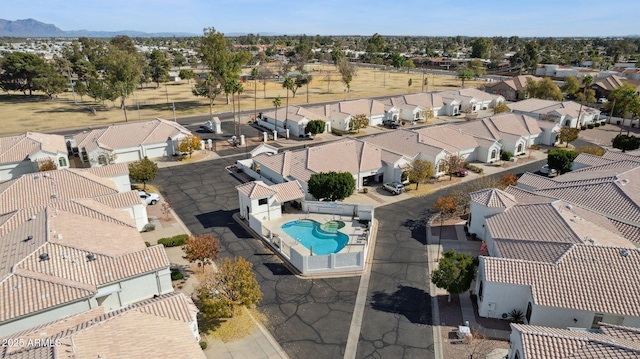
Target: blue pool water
309	233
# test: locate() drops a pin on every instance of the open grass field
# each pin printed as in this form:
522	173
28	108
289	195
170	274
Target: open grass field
20	113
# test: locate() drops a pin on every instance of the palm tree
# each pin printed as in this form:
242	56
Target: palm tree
239	90
255	73
587	81
287	84
277	102
232	87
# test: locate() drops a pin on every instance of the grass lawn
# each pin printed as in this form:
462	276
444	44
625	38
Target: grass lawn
37	113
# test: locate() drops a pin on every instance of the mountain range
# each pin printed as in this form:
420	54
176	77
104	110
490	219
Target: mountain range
35	28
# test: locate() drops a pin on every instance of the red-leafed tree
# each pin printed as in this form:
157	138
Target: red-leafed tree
202	249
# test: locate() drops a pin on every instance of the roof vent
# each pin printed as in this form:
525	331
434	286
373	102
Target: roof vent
624	252
44	257
32	217
36	177
28	238
569	207
624	181
91	257
54	196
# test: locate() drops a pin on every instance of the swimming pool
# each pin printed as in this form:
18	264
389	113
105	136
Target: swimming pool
310	234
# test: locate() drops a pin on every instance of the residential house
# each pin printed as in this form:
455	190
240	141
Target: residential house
587	284
605	85
294	122
564	113
512	89
21	154
453	140
128	142
45	188
607	341
630	73
258	201
69	256
469	100
130	332
556	71
340	114
515	132
411	107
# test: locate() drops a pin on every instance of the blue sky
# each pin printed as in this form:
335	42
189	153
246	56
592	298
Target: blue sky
539	18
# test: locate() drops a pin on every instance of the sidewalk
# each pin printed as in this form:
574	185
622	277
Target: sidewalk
260	344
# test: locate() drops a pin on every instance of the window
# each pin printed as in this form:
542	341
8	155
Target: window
481	290
62	162
494	153
519	148
262	201
528	314
102	159
597	318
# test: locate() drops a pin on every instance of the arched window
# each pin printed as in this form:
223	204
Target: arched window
517	356
62	162
528	315
442	166
519	148
481	290
494	153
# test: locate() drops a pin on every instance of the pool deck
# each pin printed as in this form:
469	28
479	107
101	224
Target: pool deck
356	231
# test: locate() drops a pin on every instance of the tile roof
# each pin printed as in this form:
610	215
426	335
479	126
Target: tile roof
509	126
468	94
550	107
619	331
554	343
256	189
288	191
609	83
404	142
296	113
493	197
451	138
108	170
582	279
130	135
21	147
534	250
631	155
517	83
591	160
122	333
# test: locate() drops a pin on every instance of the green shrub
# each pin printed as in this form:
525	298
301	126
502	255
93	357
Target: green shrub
506	155
365	190
590	126
473	168
176	274
173	241
203	345
147	244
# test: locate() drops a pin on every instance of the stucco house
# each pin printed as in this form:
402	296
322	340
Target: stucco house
455	141
515	132
50	187
21	154
130	332
295	121
469	100
264	202
603	86
564	113
603	340
586	285
128	142
70	256
340	114
512	89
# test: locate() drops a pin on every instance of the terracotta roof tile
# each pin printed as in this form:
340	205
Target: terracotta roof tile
493	197
288	191
581	279
256	189
21	147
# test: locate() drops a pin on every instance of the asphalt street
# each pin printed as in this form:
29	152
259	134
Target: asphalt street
310	318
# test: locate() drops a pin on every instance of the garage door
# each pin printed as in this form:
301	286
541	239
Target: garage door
128	156
159	151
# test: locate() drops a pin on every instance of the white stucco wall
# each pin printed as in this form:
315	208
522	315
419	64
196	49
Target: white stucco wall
478	218
139	288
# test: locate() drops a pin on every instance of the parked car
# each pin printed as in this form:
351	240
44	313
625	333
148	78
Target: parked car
602	100
394	187
461	172
149	198
391	123
546	170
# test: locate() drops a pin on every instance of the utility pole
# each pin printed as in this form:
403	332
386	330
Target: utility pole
173	107
138	105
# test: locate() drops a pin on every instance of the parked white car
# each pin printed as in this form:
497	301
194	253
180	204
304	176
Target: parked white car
545	170
394	187
149	198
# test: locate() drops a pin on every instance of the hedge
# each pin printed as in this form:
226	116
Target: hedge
173	241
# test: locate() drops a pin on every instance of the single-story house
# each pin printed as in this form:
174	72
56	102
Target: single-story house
128	142
564	113
515	132
469	100
295	121
587	284
601	340
21	154
98	333
605	85
265	202
341	113
513	89
453	140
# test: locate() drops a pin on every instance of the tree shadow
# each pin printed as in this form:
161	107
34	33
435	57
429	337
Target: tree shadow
278	269
418	230
413	303
222	219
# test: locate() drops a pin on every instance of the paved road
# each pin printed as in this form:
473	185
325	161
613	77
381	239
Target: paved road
311	318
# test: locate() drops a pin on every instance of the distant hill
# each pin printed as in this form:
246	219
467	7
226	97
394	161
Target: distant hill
35	28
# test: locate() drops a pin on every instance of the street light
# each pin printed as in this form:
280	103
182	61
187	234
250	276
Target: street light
440	236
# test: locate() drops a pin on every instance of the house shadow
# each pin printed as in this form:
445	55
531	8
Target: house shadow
418	230
278	269
222	219
413	303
